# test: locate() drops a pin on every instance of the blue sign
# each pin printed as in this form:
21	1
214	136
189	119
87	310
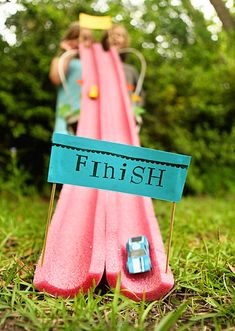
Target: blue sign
117	167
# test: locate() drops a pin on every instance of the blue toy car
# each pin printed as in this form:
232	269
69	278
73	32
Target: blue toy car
138	259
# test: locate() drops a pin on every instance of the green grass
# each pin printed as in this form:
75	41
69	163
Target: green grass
202	260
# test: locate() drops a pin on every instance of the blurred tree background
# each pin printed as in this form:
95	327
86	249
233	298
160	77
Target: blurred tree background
189	86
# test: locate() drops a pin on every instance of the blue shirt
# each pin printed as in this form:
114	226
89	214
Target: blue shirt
68	101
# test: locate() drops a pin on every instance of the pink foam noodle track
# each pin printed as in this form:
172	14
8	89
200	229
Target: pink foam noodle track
75	251
127	215
90	228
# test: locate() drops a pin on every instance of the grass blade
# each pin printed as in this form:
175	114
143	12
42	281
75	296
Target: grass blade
170	319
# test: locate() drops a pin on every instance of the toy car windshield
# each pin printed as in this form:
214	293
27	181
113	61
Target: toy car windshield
136	239
138	253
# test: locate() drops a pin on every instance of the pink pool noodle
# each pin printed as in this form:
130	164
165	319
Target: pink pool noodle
117	206
127	215
75	250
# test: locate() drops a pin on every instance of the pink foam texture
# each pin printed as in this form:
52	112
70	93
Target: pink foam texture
78	244
127	215
75	250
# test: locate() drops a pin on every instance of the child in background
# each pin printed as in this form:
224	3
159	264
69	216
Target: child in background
118	37
68	101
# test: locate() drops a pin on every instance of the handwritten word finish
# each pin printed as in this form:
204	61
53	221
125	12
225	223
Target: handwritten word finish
117	167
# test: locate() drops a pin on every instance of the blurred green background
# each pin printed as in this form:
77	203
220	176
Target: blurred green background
189	86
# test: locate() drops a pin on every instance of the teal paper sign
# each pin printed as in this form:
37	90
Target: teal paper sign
117	167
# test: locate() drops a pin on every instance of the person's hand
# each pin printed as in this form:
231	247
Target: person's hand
67	45
139	120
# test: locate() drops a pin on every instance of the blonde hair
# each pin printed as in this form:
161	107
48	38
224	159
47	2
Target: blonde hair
106	36
127	38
